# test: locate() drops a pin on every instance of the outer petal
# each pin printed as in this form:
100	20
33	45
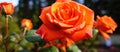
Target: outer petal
81	35
9	8
46	17
105	35
88	14
43	15
49	34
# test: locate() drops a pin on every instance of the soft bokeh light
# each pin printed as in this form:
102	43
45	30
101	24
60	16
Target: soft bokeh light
108	43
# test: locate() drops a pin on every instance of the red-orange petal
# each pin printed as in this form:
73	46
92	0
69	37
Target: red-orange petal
105	35
49	34
81	35
87	20
9	8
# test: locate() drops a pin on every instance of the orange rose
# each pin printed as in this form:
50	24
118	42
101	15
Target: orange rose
7	7
66	19
105	24
27	23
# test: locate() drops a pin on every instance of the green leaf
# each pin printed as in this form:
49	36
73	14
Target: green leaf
42	42
49	49
13	39
32	36
73	48
26	44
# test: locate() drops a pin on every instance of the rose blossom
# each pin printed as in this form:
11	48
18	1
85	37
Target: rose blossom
7	7
66	19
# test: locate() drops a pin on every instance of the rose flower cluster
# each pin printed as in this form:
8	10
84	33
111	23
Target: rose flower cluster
68	22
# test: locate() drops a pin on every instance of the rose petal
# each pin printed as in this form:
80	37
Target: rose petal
49	34
88	15
85	21
72	30
58	23
55	6
81	35
105	35
46	18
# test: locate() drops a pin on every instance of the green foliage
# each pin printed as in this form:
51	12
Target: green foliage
32	36
13	26
2	50
26	45
73	48
2	23
42	42
49	49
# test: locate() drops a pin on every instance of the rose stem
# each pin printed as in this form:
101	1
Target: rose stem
23	35
6	38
